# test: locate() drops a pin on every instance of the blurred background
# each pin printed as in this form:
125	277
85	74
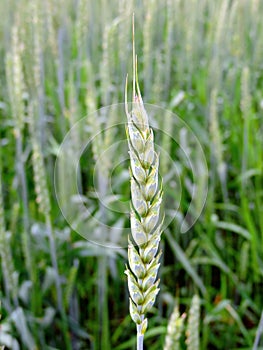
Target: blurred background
61	61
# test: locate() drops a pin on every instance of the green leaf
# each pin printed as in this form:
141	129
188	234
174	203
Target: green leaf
185	262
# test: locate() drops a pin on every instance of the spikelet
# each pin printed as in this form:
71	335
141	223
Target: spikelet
174	330
146	198
192	332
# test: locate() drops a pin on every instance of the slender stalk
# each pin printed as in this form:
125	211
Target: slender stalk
140	337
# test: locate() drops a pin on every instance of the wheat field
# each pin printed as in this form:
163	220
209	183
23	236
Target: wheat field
83	187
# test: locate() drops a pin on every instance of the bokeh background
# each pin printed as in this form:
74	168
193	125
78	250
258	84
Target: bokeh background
64	60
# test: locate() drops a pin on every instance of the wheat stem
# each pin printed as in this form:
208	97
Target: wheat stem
140	337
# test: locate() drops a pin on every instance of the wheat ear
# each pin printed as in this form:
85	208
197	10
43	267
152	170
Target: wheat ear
146	195
174	330
192	332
